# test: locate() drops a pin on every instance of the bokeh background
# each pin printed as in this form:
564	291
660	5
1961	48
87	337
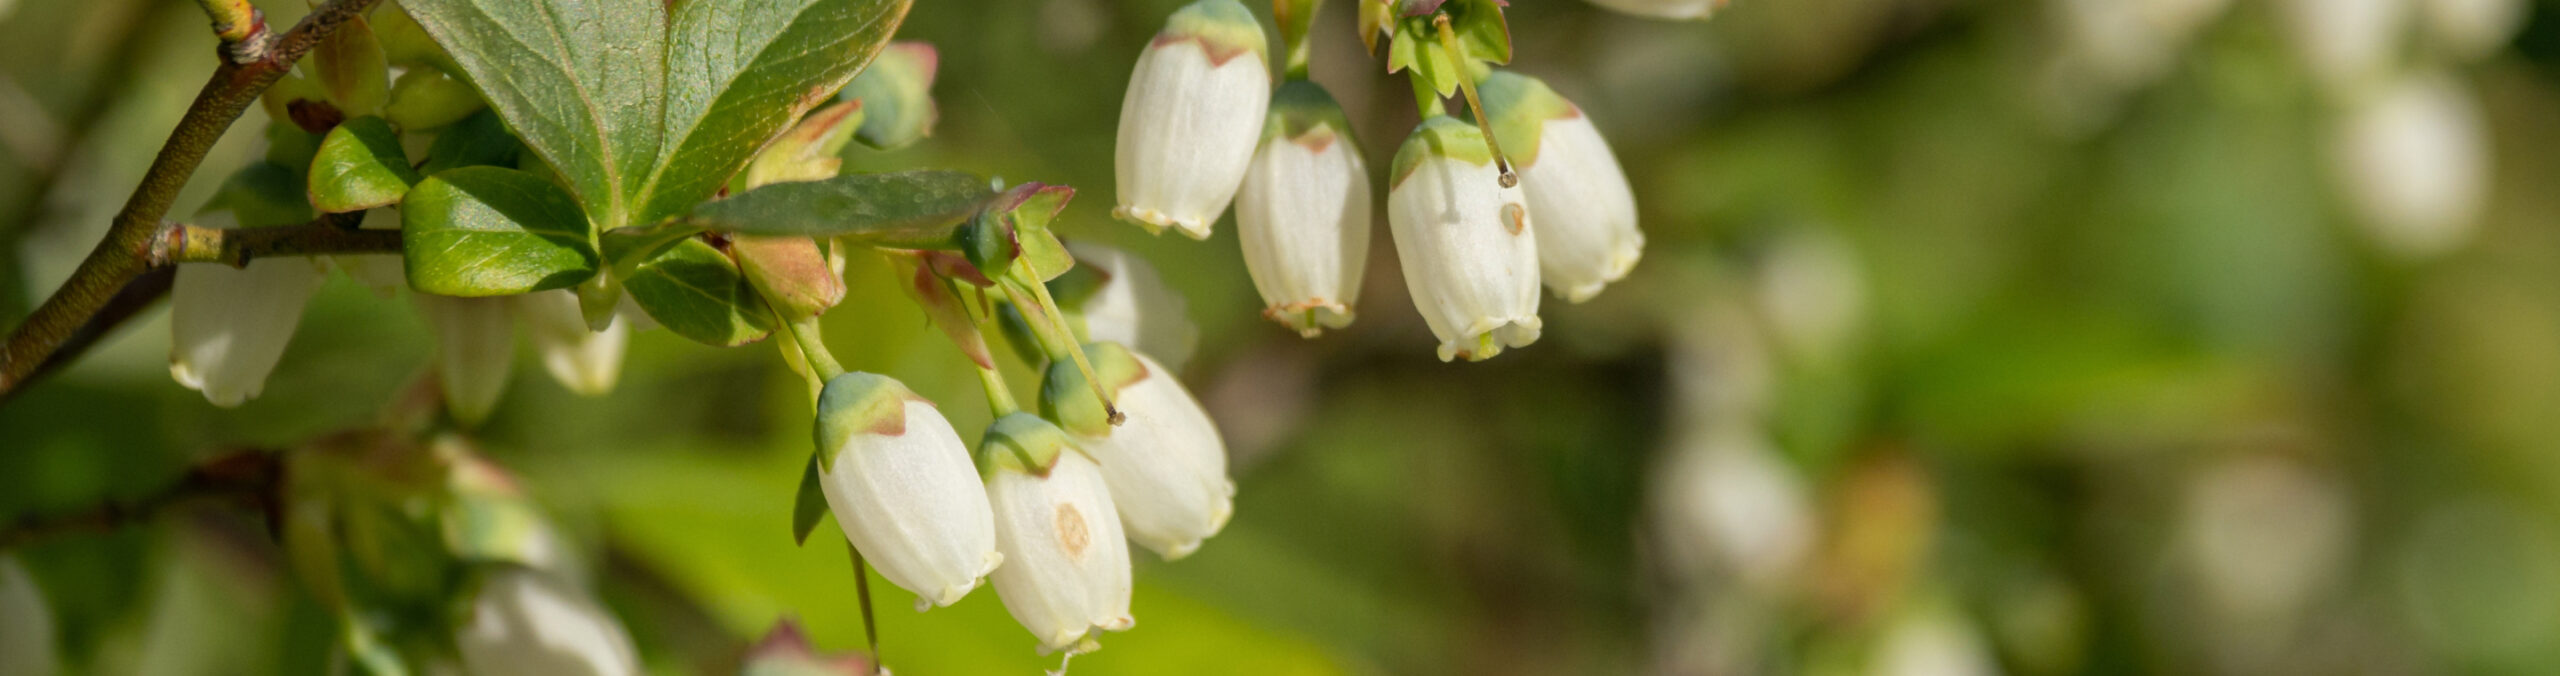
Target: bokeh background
1973	337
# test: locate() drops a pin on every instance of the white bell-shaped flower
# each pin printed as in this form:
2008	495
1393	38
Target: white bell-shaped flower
1133	306
1577	194
1191	118
2346	44
2415	165
230	325
475	350
1304	212
585	361
1665	9
526	623
1165	463
904	488
2471	29
1066	569
1470	260
381	272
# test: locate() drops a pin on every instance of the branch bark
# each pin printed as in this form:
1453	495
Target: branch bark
126	253
248	478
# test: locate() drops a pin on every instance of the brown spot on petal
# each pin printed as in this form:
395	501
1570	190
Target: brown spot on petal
1072	535
1515	219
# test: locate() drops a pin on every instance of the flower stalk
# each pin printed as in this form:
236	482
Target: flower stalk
1467	87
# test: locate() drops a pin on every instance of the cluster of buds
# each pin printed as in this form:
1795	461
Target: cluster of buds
1481	213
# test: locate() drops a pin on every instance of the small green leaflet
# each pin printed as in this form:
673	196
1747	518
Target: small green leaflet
696	291
488	231
359	167
809	506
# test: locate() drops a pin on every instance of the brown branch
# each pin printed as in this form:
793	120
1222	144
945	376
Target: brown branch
242	28
244	478
126	252
331	235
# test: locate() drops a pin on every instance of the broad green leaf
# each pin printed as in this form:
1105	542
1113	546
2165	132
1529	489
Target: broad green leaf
809	506
487	231
908	209
263	194
739	73
578	80
477	140
359	167
897	95
695	291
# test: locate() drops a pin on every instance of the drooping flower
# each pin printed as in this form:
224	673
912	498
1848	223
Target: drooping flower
1665	9
1133	305
2471	29
2415	162
2347	44
1066	572
229	325
1470	259
525	622
902	485
585	361
1165	463
1304	212
1193	112
1577	194
475	350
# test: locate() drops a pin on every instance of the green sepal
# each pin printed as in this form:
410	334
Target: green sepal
896	95
1300	108
487	231
942	303
1069	401
350	66
1440	136
1518	107
1018	333
696	291
1021	442
809	504
858	402
425	98
1478	26
263	194
360	166
1014	228
1222	27
480	139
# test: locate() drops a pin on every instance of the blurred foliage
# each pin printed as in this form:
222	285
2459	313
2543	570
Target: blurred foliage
2074	383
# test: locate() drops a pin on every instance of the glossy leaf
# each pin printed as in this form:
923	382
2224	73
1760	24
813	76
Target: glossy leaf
477	140
360	166
696	291
579	81
487	231
738	74
909	209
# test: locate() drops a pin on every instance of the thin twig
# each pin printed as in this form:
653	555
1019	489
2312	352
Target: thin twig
248	478
183	243
125	253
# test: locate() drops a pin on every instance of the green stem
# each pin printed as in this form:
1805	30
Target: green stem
1425	98
1057	321
182	243
813	347
1467	86
999	393
1295	18
862	590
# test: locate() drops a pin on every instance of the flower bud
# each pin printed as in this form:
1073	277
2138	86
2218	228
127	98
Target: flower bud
1665	9
229	325
1132	306
525	622
1577	194
902	485
475	348
1191	118
1165	464
1304	212
585	361
2415	162
1066	572
1470	260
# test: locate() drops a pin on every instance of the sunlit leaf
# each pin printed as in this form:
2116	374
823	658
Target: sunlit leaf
487	231
696	291
910	209
360	166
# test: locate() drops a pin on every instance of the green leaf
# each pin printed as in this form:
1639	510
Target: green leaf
1417	48
908	209
359	167
425	98
263	194
739	73
897	95
349	65
695	291
809	506
477	140
488	231
578	80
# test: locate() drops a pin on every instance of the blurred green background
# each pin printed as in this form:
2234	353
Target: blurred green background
1973	336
